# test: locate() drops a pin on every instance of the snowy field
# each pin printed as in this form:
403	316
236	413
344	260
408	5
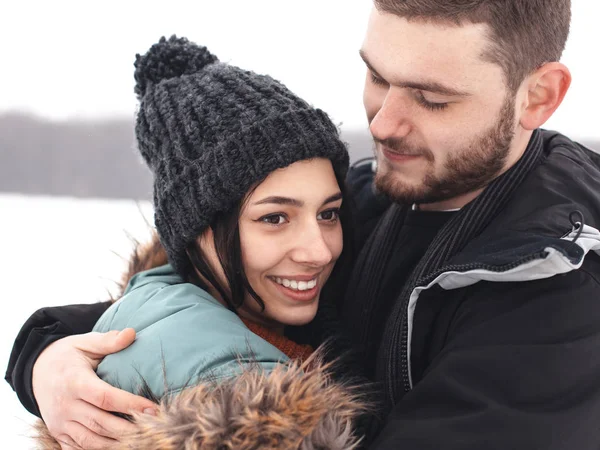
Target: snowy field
57	251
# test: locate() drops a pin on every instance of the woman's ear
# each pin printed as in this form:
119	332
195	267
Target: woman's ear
545	91
206	245
206	240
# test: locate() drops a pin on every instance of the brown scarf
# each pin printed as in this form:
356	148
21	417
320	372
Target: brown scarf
289	348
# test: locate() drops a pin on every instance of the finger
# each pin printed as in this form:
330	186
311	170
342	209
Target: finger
99	421
87	439
109	398
125	338
68	447
98	345
66	443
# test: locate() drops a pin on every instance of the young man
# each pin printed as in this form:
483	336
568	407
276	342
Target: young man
475	299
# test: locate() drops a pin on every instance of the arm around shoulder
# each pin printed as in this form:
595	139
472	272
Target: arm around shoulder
44	327
183	329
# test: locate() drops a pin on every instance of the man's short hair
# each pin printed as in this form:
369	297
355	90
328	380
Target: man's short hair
524	34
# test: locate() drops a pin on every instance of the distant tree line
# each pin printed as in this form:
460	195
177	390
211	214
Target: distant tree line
91	158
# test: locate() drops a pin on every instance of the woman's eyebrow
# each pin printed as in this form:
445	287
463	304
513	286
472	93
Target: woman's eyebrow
279	200
333	198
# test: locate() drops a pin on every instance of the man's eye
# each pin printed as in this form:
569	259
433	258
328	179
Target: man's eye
378	81
273	219
432	106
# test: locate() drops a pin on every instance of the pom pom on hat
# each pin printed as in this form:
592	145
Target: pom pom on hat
169	58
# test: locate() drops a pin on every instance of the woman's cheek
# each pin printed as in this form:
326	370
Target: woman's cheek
262	251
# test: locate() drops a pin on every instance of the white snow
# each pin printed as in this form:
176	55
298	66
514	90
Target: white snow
56	251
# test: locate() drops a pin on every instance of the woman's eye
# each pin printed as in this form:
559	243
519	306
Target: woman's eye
331	215
274	219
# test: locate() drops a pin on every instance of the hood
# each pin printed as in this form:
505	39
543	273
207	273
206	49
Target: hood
293	407
145	256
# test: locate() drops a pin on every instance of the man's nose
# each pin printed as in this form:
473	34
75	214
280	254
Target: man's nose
392	119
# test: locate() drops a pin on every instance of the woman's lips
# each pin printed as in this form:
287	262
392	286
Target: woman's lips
300	288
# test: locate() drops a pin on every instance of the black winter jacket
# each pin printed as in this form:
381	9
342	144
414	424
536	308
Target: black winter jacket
503	343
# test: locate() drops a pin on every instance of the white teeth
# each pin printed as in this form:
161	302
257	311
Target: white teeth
296	285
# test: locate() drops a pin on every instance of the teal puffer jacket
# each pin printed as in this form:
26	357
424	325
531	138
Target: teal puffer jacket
227	388
184	335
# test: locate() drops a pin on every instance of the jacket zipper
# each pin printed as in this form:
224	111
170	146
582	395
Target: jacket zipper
402	326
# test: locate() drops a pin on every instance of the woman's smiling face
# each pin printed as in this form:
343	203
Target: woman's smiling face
291	238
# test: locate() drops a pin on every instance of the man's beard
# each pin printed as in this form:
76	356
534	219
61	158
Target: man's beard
466	170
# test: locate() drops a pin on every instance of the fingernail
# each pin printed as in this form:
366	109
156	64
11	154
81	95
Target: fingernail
150	411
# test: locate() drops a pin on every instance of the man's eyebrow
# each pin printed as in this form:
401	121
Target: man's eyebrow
429	86
363	56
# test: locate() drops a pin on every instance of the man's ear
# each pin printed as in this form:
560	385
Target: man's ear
545	90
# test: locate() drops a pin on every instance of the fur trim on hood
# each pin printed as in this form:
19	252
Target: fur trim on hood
295	407
145	256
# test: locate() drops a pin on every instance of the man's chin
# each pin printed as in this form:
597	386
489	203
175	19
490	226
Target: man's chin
399	191
402	192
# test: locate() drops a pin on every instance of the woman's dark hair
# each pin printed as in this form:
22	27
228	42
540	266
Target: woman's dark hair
226	233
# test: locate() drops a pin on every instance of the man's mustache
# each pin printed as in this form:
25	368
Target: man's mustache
400	147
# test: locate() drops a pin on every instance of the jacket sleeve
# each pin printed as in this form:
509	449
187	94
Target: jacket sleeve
44	327
520	370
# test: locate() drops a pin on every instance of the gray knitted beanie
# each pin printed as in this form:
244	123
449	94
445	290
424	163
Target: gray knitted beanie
209	131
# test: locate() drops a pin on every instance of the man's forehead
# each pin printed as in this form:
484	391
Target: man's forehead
408	50
423	83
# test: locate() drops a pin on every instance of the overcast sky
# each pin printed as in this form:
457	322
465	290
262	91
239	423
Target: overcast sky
64	59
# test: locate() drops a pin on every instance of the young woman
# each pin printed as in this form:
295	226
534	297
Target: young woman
248	197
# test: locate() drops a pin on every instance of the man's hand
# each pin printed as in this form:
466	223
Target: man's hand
73	401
